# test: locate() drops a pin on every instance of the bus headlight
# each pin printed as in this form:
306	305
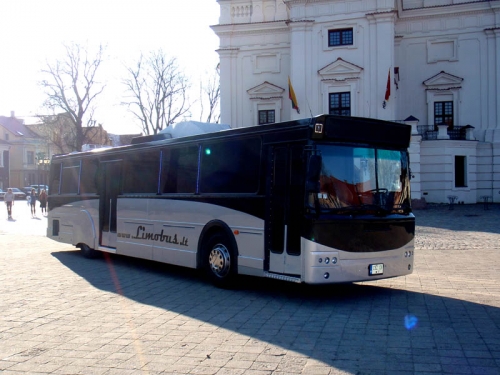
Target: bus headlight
334	260
320	260
326	275
327	260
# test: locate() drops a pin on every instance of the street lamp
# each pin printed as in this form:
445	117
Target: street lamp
42	163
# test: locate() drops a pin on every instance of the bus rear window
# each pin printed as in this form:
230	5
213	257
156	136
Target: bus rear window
70	178
55	178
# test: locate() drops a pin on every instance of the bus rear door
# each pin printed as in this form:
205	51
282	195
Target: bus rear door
111	173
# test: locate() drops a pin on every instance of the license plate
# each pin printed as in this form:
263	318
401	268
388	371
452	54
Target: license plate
376	269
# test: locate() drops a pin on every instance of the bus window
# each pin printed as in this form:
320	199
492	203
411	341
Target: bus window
389	170
88	183
180	170
140	173
357	176
70	177
55	177
230	167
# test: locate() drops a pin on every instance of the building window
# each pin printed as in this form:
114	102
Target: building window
266	116
443	113
6	136
31	179
460	171
340	103
341	37
30	157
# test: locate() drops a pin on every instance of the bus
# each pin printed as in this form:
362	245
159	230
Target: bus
317	200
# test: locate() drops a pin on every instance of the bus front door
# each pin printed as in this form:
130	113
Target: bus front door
110	188
283	210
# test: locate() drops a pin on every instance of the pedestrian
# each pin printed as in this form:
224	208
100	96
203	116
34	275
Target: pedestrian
33	202
43	201
9	201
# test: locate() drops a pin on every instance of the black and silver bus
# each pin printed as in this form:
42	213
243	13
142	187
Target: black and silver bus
318	200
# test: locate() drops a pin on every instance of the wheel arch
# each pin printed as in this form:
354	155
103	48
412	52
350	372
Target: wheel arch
85	232
212	227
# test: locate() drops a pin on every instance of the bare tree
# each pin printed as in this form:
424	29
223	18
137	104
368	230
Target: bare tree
72	88
158	92
210	94
58	130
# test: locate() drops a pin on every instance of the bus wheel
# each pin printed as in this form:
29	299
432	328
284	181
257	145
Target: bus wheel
87	251
220	260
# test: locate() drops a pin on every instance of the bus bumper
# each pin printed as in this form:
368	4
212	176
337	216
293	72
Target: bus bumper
324	265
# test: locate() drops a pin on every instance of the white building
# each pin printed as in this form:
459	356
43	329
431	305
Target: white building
436	61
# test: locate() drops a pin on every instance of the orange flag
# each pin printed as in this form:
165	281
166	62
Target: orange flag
291	95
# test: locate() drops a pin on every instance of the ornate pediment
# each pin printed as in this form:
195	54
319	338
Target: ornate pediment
443	81
265	90
340	70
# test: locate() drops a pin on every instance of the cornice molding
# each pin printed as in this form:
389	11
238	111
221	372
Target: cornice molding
441	12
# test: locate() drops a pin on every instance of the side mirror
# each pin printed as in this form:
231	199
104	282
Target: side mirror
313	173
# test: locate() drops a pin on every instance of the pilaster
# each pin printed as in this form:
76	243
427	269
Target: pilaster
381	64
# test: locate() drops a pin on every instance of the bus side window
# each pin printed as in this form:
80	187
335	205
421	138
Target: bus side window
88	183
140	173
180	170
230	167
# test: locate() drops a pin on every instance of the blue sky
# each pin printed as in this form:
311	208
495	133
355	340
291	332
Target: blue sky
33	32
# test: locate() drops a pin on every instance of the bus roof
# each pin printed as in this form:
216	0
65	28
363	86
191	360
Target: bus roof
333	129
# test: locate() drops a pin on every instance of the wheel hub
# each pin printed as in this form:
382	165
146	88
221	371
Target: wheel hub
219	260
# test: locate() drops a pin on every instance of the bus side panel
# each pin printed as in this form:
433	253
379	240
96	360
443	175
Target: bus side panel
132	222
76	221
172	229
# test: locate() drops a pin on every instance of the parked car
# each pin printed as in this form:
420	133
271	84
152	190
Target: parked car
39	188
18	194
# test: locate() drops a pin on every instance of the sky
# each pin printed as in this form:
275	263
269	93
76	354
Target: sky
34	33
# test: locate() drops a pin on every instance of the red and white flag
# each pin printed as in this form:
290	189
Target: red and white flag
387	89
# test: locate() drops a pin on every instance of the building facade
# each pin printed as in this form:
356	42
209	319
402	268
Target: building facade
434	64
25	155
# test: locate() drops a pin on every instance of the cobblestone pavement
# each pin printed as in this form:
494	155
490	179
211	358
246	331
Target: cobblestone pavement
63	314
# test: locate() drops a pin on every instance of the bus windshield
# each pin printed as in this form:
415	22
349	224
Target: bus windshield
359	179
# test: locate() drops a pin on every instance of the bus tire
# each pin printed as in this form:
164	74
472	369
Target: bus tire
219	260
88	252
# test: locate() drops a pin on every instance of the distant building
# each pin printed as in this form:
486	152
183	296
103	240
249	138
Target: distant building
433	63
24	154
26	150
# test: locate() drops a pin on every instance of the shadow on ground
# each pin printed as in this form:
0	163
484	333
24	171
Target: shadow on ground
356	328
